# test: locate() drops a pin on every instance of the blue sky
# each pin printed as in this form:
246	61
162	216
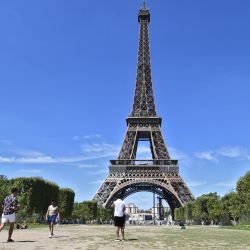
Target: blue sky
67	77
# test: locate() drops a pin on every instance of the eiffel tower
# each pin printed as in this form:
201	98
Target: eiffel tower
160	175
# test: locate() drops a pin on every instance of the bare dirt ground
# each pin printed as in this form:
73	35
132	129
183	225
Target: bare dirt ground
137	237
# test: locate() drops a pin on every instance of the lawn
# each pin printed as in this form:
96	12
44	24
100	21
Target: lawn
137	237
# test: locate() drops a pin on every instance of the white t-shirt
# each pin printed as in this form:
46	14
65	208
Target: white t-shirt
52	210
119	208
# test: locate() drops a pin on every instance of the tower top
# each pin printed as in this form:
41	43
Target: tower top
143	13
143	105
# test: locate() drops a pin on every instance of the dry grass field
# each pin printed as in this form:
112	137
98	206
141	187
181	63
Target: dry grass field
137	237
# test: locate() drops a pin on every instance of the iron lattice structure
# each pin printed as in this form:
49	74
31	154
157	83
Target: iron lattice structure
159	175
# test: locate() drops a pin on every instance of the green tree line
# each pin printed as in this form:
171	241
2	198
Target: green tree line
89	212
35	194
232	208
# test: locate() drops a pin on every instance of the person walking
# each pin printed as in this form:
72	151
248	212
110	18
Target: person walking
119	217
10	205
52	216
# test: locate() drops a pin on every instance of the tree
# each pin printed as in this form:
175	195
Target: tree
90	210
66	202
232	205
179	214
200	212
206	208
215	209
104	214
4	189
243	189
189	211
77	212
35	194
85	211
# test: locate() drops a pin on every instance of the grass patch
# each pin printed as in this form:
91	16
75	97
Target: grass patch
137	237
238	227
36	225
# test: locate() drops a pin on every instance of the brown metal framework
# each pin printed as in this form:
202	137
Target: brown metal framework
159	175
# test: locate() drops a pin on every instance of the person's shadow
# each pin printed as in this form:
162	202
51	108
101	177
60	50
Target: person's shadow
22	241
130	239
60	236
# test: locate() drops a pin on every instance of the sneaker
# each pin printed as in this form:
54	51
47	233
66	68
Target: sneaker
50	236
10	240
123	239
117	239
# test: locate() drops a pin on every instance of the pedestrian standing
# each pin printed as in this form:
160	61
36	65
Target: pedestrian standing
52	216
119	217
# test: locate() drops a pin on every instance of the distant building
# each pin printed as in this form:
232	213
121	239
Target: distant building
131	208
140	218
136	217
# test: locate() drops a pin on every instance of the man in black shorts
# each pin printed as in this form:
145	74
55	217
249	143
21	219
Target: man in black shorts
119	217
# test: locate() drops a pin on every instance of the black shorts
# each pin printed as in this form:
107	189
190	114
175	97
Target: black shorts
119	221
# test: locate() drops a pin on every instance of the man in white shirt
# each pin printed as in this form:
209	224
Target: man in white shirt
119	217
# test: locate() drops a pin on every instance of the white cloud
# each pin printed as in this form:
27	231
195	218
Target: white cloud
28	152
226	184
78	137
92	136
87	166
45	159
206	155
31	171
233	152
41	160
89	152
94	151
99	150
38	159
180	156
7	159
28	156
196	183
99	182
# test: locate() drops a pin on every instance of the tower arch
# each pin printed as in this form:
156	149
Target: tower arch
159	187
